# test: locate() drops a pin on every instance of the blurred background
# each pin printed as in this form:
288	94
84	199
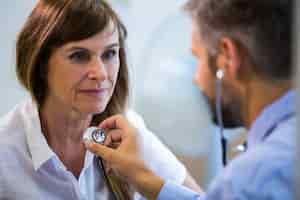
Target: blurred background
161	69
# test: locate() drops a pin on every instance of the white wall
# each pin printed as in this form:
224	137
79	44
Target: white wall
12	16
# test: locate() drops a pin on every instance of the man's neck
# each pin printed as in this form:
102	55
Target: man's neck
261	94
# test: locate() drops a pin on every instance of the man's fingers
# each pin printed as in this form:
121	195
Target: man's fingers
104	152
113	136
115	122
108	123
115	145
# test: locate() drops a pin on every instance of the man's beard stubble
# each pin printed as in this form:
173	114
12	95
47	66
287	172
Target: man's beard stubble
231	108
231	113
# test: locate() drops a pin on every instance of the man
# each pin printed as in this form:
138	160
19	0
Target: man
248	43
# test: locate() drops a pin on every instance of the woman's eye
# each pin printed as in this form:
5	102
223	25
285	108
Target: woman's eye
80	57
109	54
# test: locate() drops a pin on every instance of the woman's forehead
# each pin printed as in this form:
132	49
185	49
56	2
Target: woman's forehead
107	37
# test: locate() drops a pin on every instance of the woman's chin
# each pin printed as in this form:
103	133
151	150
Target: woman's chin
93	109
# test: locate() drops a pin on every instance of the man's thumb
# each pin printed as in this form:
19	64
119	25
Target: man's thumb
106	153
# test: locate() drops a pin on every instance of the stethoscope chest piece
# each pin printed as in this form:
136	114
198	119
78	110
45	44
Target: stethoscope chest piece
94	134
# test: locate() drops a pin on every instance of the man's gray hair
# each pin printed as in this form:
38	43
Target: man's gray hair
263	27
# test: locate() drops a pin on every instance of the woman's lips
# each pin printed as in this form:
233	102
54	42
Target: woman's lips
94	92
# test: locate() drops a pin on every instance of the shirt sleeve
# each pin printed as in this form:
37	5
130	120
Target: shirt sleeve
173	191
156	155
260	173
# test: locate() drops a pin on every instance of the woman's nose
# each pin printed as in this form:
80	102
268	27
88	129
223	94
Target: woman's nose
97	70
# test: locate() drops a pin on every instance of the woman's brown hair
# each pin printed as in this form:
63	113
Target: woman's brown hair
54	23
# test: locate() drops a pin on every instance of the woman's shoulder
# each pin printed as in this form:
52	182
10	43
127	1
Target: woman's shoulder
138	122
134	118
12	127
13	117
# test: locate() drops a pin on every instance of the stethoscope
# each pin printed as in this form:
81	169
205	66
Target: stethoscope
220	76
240	148
98	135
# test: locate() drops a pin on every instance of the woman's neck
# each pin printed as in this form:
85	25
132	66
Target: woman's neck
63	128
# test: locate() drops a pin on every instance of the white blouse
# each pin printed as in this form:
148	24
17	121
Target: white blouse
29	169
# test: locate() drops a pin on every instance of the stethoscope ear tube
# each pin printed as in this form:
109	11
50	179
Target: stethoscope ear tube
104	174
98	135
220	75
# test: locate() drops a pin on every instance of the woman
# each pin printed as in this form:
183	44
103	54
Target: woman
71	58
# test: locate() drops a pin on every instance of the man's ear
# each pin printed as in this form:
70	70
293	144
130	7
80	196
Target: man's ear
229	58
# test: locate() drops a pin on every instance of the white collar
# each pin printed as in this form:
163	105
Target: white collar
37	144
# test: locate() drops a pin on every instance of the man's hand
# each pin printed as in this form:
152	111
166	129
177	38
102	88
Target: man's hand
125	157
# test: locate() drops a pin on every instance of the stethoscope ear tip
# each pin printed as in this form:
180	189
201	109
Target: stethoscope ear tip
220	74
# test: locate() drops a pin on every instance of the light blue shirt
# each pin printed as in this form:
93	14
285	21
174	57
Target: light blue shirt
266	170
